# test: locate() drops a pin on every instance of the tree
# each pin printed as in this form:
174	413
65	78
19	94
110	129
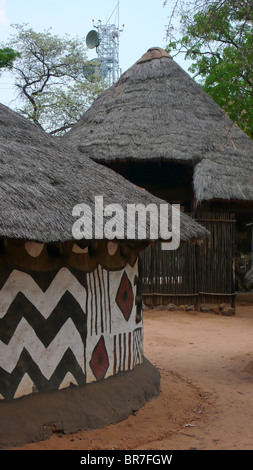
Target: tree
7	57
218	37
50	77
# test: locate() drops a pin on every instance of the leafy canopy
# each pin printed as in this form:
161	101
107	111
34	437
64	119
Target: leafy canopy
7	57
218	37
50	76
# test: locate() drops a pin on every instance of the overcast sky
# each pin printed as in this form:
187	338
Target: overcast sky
144	26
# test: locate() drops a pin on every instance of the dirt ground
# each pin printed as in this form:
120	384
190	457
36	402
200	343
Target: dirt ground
206	399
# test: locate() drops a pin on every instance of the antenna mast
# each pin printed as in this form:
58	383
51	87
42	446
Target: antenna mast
107	47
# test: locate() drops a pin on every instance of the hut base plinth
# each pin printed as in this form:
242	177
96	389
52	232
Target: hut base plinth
35	417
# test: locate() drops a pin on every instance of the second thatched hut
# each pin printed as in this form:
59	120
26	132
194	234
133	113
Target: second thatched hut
158	128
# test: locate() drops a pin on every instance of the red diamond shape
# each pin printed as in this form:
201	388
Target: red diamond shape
99	362
125	297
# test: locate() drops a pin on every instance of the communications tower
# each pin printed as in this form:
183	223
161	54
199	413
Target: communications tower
105	38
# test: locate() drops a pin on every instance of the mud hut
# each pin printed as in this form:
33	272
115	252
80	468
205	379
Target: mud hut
71	332
158	128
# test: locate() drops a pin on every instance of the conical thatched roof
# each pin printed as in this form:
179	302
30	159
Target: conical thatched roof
41	181
157	111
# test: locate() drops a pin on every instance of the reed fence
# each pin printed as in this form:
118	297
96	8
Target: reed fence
193	274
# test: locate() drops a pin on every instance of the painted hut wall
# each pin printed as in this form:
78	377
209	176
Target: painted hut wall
112	330
61	325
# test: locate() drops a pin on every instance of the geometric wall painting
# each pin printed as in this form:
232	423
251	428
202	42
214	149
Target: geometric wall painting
66	327
124	297
99	362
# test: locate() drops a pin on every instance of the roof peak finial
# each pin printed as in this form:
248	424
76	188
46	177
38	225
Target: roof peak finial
154	53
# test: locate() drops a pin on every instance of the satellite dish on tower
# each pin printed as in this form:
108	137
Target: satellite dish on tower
92	39
92	70
105	38
115	34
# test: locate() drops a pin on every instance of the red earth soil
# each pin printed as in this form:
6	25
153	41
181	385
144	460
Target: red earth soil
206	399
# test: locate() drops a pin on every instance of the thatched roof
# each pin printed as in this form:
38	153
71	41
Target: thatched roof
157	111
41	181
249	278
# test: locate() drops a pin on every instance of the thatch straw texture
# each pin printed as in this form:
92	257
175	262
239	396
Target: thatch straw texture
157	111
41	181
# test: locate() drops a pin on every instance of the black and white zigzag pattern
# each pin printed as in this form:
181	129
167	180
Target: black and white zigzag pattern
42	330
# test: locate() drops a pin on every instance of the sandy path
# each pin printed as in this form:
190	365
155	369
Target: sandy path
214	353
206	399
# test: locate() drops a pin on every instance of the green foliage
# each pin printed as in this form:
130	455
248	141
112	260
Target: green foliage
50	77
218	38
7	57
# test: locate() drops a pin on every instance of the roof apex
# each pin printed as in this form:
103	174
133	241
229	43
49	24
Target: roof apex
153	53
